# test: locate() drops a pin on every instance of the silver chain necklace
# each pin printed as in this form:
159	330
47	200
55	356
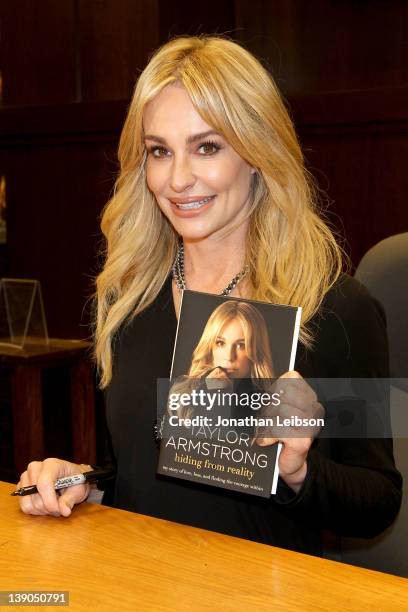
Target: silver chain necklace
179	278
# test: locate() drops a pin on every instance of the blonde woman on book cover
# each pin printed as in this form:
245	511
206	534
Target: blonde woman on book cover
234	346
213	195
235	339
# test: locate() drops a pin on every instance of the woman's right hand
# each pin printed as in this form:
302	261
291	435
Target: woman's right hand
218	378
218	372
47	500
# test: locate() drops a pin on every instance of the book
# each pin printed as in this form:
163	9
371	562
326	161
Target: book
221	393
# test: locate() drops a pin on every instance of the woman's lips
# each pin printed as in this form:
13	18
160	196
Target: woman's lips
189	207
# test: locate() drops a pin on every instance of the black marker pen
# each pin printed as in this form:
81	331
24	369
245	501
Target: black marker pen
70	481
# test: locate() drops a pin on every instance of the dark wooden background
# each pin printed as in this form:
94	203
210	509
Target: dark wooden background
68	68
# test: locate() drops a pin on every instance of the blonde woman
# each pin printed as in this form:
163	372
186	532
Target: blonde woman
234	346
236	339
212	185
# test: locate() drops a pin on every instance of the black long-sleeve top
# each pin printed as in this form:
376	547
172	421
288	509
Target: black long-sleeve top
352	486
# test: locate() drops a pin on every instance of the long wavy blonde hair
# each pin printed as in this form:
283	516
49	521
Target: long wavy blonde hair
293	256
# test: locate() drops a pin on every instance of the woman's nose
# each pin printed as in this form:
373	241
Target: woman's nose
182	175
230	353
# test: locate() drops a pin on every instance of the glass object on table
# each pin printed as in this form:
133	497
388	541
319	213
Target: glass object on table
22	316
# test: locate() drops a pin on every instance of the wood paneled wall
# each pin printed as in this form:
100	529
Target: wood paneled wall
60	51
343	68
38	61
68	70
328	45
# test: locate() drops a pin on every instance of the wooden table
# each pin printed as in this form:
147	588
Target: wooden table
114	560
26	367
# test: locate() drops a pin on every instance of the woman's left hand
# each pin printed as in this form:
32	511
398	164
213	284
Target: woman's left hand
297	399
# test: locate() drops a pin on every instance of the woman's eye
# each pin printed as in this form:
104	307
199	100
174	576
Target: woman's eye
241	346
219	343
158	151
208	148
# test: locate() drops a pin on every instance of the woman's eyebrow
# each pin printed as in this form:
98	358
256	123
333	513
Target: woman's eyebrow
190	140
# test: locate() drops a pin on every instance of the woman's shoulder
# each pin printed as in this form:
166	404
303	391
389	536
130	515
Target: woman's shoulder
139	336
350	299
350	330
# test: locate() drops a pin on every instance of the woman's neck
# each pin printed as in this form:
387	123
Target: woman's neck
211	264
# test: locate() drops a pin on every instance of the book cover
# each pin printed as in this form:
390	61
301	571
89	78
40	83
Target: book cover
227	355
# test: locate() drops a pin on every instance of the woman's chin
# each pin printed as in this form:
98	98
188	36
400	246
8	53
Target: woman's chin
192	235
192	230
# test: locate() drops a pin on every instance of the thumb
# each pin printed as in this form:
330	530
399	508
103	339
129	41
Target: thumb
291	374
266	441
66	504
69	498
